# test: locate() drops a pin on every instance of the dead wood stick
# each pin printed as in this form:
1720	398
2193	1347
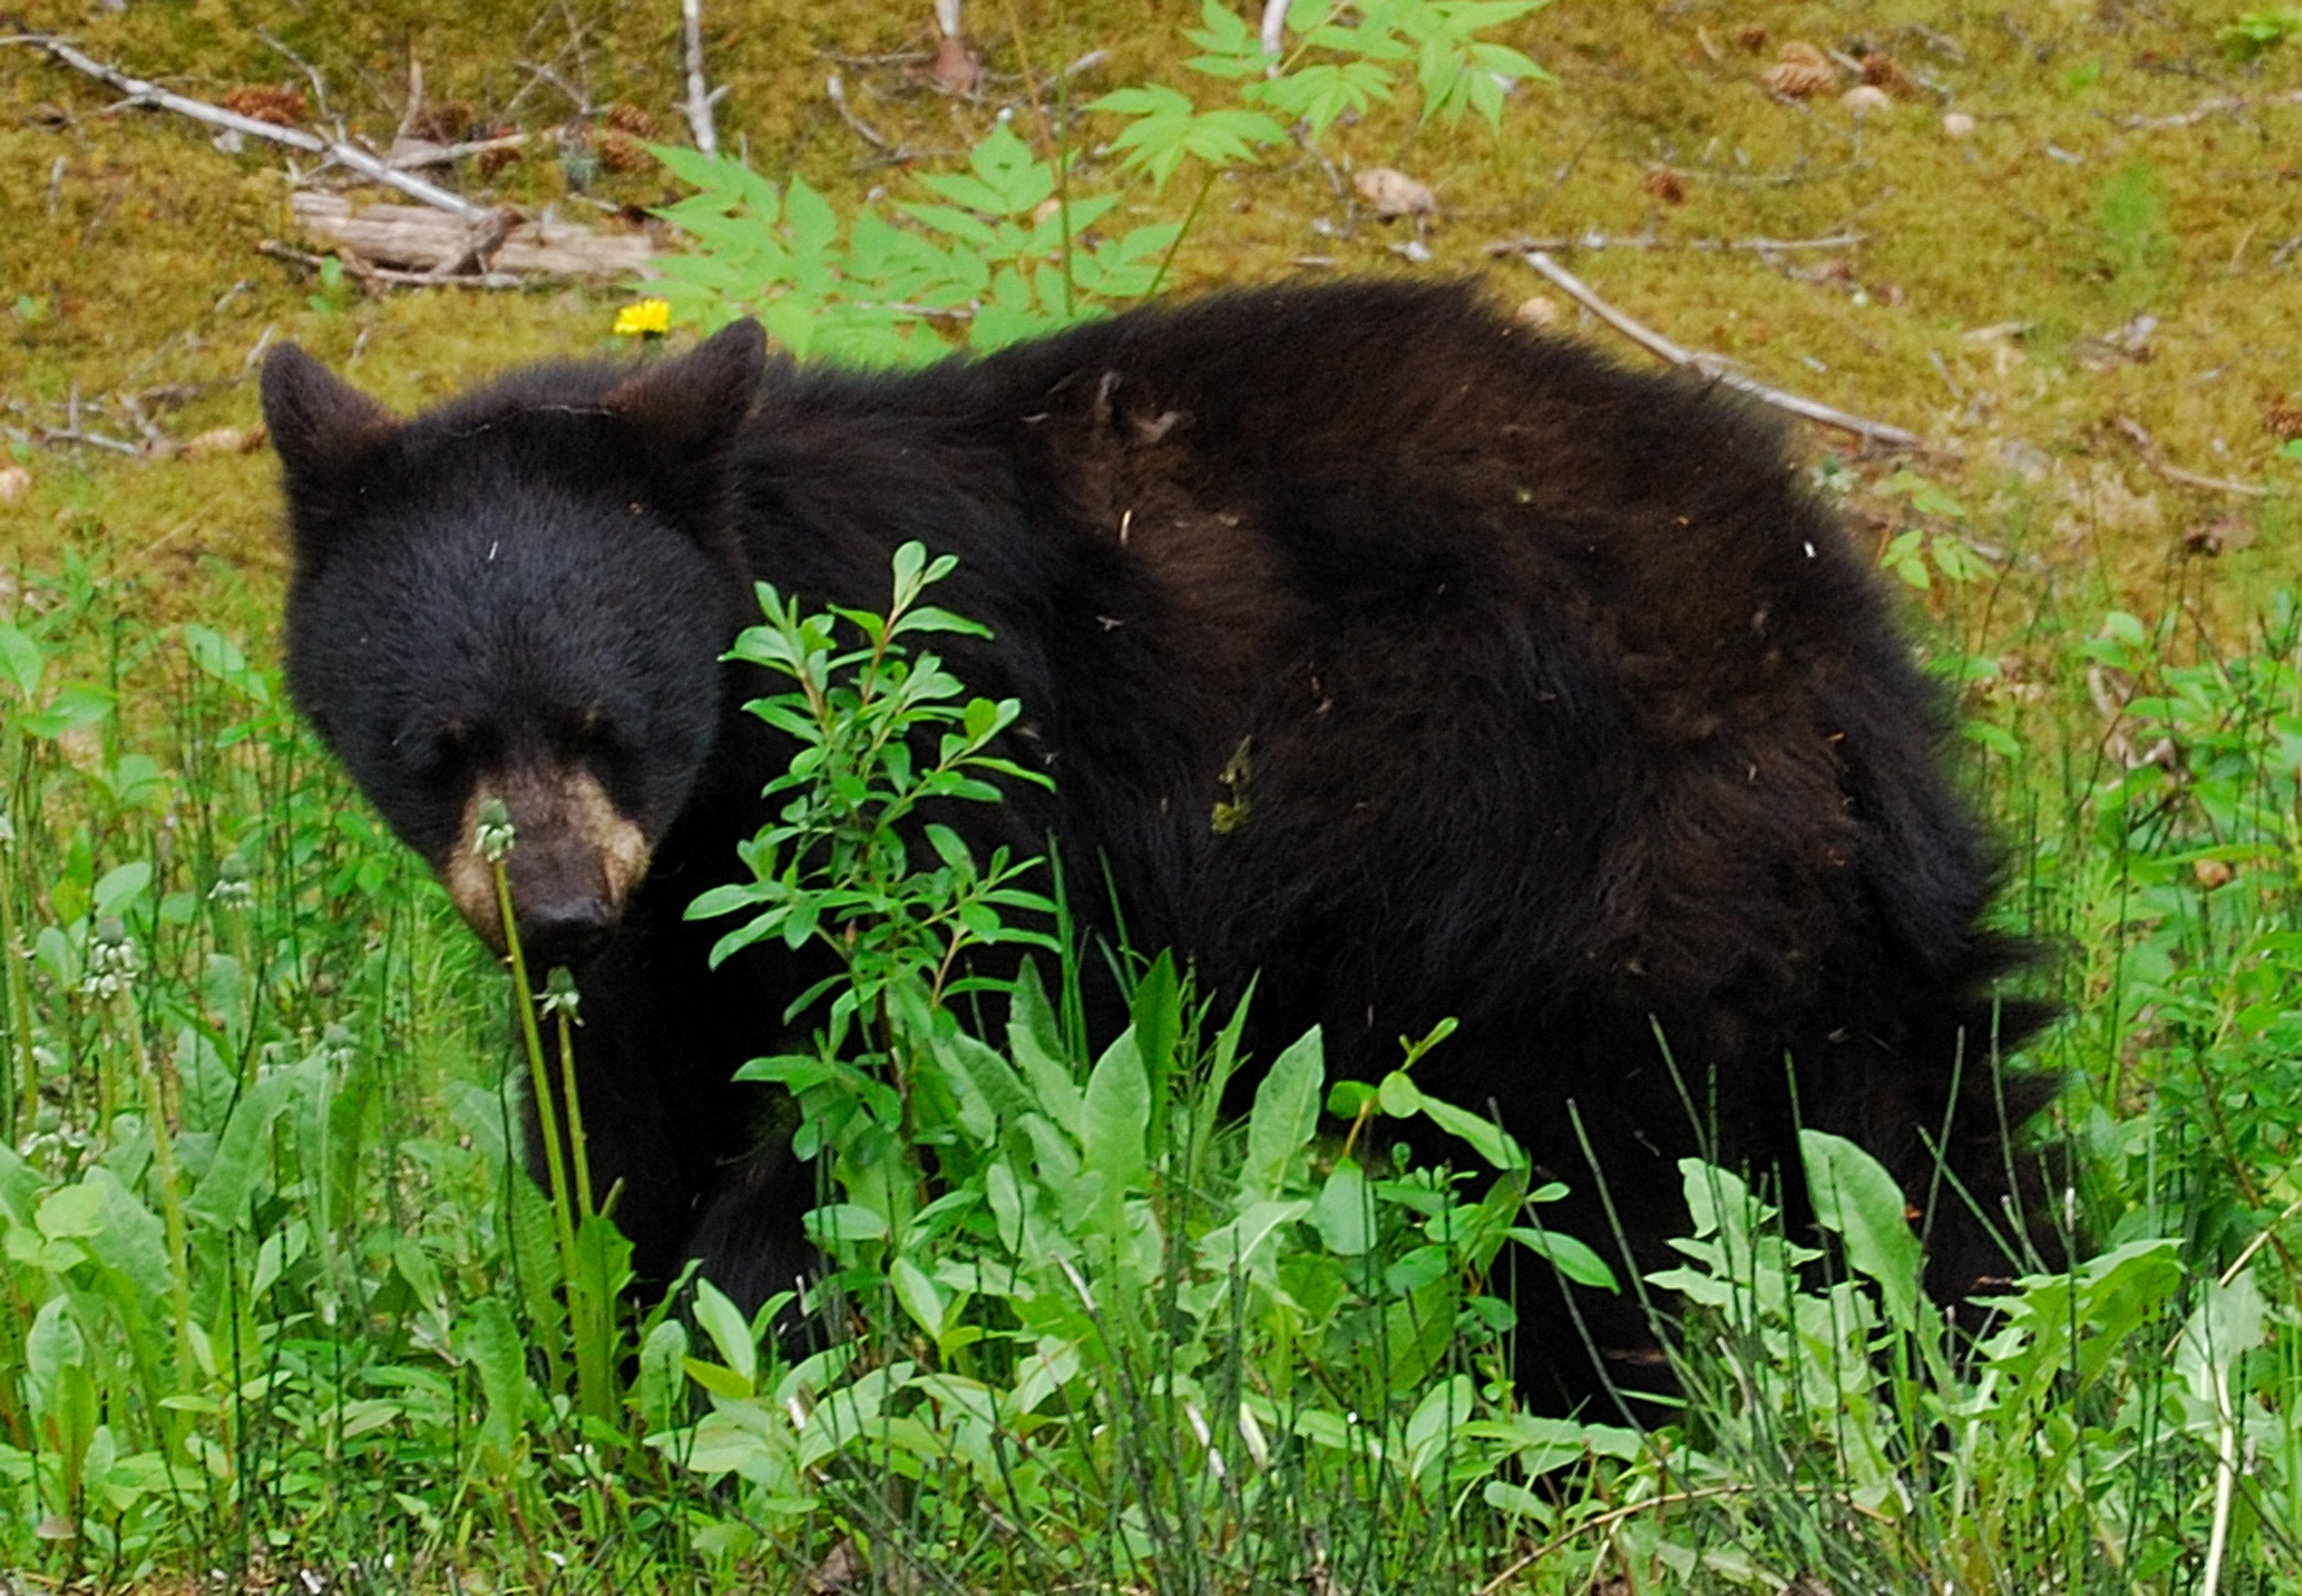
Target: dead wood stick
700	96
216	116
1598	240
353	266
2157	462
836	87
479	247
2229	105
1273	31
1710	365
416	152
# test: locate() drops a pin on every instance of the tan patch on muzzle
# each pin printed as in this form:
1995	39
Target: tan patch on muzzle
568	841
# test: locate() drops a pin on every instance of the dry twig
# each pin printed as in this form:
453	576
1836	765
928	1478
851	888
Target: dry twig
141	92
700	96
1648	240
353	266
2157	462
2227	105
409	154
436	249
836	87
1710	365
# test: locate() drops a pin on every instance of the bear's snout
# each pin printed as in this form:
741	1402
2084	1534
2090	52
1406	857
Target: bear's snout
573	861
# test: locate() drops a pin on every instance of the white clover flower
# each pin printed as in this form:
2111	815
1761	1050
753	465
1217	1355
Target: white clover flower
112	965
494	836
232	889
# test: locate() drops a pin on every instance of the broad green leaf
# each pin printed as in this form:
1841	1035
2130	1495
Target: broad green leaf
920	1296
1344	1212
1036	1042
844	1221
2226	1326
493	1341
660	1386
1285	1115
20	662
1856	1196
1400	1097
730	1332
1114	1116
243	1154
1486	1138
1572	1259
119	887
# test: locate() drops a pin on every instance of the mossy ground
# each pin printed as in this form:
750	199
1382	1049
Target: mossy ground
128	262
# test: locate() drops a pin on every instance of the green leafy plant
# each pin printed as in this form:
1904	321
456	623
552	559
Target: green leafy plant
2134	237
2255	32
997	252
1008	248
1077	1259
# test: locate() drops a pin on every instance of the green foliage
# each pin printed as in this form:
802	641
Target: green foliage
1917	554
998	251
1957	1457
2255	33
2134	236
1340	61
334	290
1008	248
1086	1298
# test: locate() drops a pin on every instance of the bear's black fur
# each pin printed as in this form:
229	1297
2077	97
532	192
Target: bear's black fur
1570	716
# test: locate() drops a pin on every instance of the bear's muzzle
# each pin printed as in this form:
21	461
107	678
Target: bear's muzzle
575	859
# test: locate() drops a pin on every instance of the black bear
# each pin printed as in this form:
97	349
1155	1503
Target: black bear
1571	718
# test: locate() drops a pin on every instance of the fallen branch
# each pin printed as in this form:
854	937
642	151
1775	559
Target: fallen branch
2157	462
353	266
1274	30
141	92
836	87
700	96
1710	366
2227	105
1647	241
406	155
436	249
71	431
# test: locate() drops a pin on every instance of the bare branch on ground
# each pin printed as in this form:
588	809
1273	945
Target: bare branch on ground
1711	367
142	92
700	96
2147	447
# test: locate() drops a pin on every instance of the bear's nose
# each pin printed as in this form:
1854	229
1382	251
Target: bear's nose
567	932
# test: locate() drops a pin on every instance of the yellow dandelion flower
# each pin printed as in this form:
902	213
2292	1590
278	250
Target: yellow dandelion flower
644	318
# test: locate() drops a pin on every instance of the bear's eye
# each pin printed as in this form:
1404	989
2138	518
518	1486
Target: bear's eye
588	732
451	746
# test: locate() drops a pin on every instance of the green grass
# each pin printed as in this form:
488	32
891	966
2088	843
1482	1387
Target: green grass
275	1296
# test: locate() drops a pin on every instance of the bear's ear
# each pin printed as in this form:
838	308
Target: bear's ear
321	424
688	409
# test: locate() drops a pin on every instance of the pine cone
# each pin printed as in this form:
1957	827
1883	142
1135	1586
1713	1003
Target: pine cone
627	118
2283	418
1882	71
1802	73
263	102
619	151
451	121
492	161
1664	184
1750	39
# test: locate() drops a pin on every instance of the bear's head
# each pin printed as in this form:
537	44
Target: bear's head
521	596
